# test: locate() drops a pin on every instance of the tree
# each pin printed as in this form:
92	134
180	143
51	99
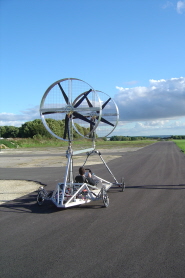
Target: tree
32	128
2	131
9	131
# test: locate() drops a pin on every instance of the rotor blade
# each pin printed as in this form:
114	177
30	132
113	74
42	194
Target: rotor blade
79	116
89	103
106	122
106	103
46	113
66	126
80	100
103	106
64	94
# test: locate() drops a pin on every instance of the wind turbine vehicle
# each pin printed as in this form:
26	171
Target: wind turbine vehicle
90	113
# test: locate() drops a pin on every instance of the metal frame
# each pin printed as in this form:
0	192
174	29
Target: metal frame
69	193
69	109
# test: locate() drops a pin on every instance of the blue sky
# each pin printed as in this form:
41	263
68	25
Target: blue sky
133	50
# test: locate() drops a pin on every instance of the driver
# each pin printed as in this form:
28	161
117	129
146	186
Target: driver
86	178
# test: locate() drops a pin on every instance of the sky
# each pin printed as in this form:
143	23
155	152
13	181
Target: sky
132	50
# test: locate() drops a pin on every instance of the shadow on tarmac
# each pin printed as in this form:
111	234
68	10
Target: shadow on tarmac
166	187
28	204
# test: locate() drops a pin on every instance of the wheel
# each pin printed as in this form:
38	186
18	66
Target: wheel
40	198
105	198
122	184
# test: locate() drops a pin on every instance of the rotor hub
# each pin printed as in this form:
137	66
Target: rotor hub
93	114
69	109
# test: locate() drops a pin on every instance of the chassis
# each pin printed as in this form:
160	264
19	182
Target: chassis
70	193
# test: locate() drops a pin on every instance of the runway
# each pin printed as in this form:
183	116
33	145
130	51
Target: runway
141	233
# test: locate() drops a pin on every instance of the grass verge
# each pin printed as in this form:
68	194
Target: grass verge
180	144
79	144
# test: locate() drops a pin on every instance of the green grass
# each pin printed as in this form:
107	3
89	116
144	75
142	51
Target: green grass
39	143
79	144
180	144
11	144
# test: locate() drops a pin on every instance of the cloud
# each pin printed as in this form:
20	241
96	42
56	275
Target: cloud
162	99
167	5
160	127
17	120
153	124
131	82
147	128
180	7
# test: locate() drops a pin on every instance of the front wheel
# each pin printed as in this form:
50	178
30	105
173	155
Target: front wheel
40	198
122	184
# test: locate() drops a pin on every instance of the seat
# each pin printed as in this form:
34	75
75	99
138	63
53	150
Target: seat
79	179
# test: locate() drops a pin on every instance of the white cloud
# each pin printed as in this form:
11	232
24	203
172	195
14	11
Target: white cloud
167	5
17	120
153	124
133	82
162	99
180	7
158	125
147	128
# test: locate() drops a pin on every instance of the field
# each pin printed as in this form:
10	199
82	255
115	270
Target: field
180	144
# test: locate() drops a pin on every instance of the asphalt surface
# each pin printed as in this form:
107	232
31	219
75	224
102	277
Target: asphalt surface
140	234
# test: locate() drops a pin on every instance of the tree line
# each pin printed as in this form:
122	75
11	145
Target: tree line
36	128
127	138
134	138
178	137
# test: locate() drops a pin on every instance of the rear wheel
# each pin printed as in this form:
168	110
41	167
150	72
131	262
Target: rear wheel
122	184
105	198
40	198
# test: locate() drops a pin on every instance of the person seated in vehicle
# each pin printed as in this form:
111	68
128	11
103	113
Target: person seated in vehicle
84	177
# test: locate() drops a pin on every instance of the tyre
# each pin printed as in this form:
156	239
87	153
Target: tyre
122	184
40	198
105	198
